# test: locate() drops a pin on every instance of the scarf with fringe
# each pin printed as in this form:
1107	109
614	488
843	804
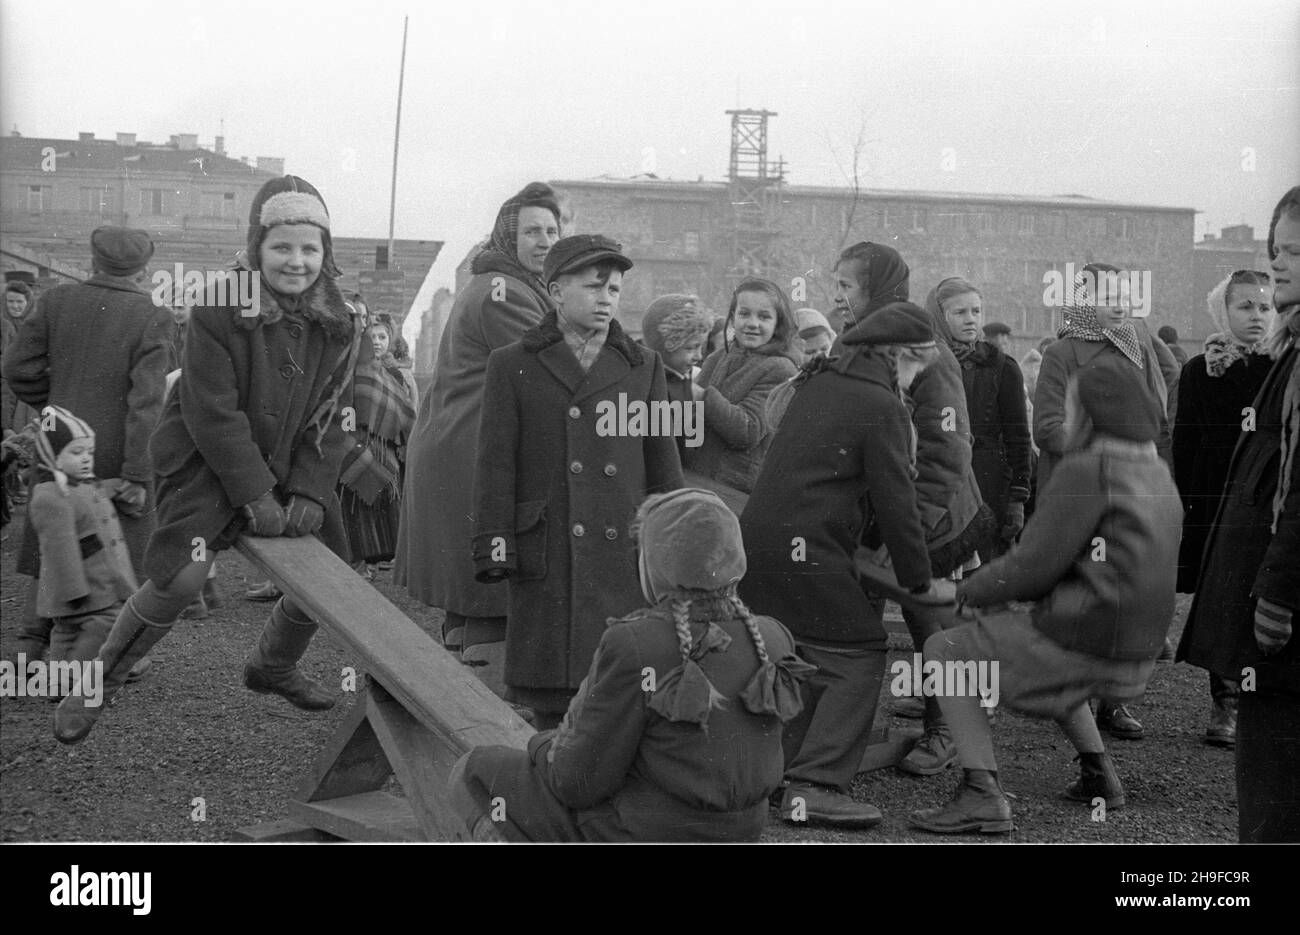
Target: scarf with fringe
385	418
1080	321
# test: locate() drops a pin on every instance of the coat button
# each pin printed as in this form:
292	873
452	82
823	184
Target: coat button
575	412
576	467
578	530
611	533
610	470
295	331
287	371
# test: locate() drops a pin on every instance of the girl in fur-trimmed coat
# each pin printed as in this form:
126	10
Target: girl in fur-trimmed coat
251	441
734	384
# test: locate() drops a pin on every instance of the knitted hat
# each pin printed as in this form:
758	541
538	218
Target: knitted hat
897	323
689	540
289	200
809	320
1117	401
56	428
120	251
673	321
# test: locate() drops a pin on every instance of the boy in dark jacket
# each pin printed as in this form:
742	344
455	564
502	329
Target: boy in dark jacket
563	462
1099	557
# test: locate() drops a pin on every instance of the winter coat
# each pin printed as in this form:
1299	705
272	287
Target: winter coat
100	349
1061	359
947	490
239	424
1210	419
658	780
1244	560
84	559
437	522
554	496
995	399
841	459
1098	556
736	431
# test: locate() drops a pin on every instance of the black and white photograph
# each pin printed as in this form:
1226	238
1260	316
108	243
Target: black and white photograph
676	422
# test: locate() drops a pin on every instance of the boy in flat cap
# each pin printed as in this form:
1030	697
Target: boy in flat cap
561	472
101	349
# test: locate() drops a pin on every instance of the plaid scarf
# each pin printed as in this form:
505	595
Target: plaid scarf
385	418
1080	321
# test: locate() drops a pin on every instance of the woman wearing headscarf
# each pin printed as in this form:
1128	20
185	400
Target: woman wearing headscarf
869	277
504	298
995	398
1099	326
1243	616
1214	391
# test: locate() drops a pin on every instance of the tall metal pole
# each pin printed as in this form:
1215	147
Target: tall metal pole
397	135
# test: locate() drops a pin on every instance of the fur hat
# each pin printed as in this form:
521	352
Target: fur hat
289	200
673	321
56	429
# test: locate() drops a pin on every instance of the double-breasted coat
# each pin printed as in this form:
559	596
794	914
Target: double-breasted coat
555	494
243	421
433	558
1244	559
102	350
85	559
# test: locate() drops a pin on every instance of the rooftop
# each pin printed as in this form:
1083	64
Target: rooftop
181	154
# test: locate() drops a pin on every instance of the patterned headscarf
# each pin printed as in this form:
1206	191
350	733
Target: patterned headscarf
1080	321
502	250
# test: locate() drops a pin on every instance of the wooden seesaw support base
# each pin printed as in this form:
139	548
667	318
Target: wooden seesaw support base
420	711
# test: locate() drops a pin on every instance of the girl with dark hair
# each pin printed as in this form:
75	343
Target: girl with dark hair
1242	619
690	755
1214	391
995	397
734	384
250	441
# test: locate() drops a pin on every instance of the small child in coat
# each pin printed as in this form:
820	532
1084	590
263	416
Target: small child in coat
677	328
675	734
85	566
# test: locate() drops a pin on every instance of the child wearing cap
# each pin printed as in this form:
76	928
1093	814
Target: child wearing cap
1099	557
563	462
677	327
85	566
676	731
815	334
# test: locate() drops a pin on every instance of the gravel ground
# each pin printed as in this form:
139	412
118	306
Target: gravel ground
190	731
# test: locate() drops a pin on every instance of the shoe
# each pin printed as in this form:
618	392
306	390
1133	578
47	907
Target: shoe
932	754
909	706
1222	731
1167	653
806	803
978	805
140	669
131	638
266	591
197	610
1097	779
1119	722
273	667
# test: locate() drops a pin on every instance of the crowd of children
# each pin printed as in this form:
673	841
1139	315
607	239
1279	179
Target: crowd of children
686	661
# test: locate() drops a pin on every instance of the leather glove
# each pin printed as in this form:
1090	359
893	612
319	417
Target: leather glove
1272	626
130	498
1015	521
266	515
304	516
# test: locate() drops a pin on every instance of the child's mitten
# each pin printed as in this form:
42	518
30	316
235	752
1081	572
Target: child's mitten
1272	626
265	515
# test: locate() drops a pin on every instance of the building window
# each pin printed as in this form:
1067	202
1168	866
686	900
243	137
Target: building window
984	223
217	204
151	200
1125	230
39	198
691	243
1027	224
919	219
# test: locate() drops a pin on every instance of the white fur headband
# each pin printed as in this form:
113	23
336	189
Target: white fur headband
294	208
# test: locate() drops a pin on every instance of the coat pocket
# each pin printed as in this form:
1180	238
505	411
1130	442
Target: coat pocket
530	540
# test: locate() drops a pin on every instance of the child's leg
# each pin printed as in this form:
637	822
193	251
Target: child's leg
967	722
34	630
273	666
1081	727
63	636
1097	776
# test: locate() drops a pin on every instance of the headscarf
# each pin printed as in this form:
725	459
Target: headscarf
691	558
886	273
977	351
1224	348
502	251
1080	321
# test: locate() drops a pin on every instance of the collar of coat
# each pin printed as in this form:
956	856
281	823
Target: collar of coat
859	362
322	304
548	332
121	283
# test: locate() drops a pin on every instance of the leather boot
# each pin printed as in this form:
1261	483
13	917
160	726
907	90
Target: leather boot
979	805
1222	731
131	637
273	667
1097	779
808	803
1119	722
932	754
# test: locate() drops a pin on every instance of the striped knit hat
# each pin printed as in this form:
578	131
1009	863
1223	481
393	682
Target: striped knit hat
56	428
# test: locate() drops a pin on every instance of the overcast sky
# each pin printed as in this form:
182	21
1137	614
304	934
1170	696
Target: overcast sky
1171	103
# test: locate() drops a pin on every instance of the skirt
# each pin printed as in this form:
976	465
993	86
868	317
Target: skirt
371	528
